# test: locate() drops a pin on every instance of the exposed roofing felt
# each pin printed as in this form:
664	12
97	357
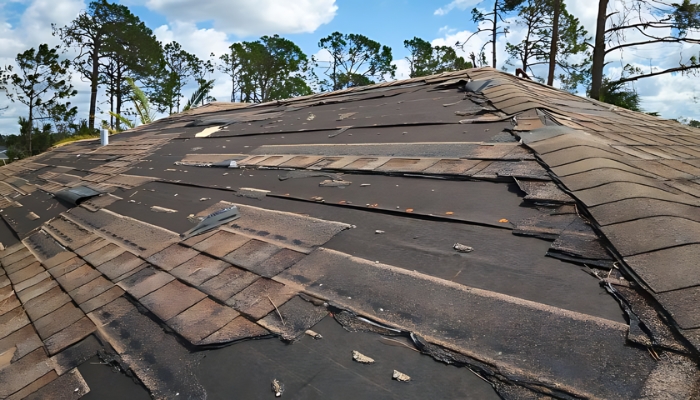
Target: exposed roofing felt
545	242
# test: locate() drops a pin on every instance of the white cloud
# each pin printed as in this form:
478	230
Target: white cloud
672	95
249	17
33	29
323	56
458	4
403	68
446	30
200	42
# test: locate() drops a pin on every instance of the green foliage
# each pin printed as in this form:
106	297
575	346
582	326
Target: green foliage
111	42
141	103
686	16
536	16
200	94
689	121
131	50
428	60
129	124
270	68
356	60
174	72
490	22
619	94
230	64
42	83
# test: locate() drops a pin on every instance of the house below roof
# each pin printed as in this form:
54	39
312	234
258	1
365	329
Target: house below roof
532	242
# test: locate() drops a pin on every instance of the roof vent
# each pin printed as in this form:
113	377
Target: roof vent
76	195
213	220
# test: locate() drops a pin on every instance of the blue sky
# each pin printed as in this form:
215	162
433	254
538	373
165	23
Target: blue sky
206	26
389	22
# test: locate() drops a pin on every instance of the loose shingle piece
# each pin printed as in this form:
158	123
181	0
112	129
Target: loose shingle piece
575	224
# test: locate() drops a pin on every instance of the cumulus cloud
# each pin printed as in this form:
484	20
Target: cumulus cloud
403	68
249	17
672	95
200	42
456	4
34	28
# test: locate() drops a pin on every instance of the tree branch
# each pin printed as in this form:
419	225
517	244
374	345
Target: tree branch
655	25
658	40
666	71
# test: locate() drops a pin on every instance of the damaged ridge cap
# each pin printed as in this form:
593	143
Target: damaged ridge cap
620	261
651	298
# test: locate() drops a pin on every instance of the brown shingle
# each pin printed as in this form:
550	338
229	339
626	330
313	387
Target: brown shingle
251	254
199	269
25	340
260	298
172	299
171	257
239	328
221	243
70	335
19	264
12	320
37	289
119	265
57	320
90	289
23	372
91	247
78	277
66	267
104	298
104	254
46	302
145	281
229	282
201	320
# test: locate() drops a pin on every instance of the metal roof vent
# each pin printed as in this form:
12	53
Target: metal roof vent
76	195
213	220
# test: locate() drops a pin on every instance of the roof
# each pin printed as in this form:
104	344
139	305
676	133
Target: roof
541	242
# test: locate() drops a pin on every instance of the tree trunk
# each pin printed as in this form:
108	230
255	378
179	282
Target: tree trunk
555	43
118	93
599	50
111	100
495	32
233	89
94	81
30	122
335	77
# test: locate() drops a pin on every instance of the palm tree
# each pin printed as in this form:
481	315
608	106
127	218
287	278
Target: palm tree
201	94
141	104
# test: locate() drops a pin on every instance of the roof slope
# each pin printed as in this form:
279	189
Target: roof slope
456	210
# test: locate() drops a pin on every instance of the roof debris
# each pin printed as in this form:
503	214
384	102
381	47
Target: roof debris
400	376
462	248
361	358
277	388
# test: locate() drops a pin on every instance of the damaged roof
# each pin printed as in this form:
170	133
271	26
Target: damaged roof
532	242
